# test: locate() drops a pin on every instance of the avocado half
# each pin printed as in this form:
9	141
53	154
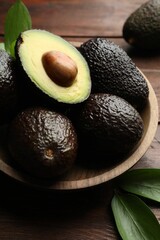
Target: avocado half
30	49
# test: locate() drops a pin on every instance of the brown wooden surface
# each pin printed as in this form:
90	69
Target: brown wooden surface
85	214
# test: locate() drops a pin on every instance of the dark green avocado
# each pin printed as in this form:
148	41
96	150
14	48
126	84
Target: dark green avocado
108	128
113	71
8	87
42	142
142	28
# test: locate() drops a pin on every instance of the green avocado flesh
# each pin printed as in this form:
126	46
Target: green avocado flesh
31	46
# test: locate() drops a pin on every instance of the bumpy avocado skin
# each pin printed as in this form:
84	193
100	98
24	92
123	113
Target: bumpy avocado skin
42	142
113	71
108	128
8	87
142	27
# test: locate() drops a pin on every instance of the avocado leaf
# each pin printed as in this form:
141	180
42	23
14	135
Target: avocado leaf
143	182
134	219
17	20
2	46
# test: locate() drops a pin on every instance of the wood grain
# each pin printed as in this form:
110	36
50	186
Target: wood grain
77	18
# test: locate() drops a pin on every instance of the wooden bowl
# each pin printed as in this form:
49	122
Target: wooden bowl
80	177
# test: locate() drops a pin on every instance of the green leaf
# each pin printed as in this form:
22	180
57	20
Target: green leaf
134	220
17	20
143	182
2	46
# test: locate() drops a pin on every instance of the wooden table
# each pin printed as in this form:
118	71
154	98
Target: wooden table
85	214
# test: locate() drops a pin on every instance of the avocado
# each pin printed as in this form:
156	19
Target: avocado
42	142
8	87
54	66
108	129
142	28
113	71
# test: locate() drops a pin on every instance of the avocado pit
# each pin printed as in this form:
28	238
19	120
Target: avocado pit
60	68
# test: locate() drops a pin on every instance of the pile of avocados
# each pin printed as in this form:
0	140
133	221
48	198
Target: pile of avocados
65	106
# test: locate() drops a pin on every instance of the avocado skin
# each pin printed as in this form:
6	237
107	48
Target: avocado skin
8	87
108	128
29	95
113	71
142	28
36	131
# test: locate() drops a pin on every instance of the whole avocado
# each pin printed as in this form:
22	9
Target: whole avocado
142	28
113	71
8	87
42	142
108	128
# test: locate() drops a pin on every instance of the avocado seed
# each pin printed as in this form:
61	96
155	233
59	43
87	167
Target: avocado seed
60	68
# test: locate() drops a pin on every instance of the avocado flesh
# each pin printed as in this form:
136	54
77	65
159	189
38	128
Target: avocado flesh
31	46
113	71
142	27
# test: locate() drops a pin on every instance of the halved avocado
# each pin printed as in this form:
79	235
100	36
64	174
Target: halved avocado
31	47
